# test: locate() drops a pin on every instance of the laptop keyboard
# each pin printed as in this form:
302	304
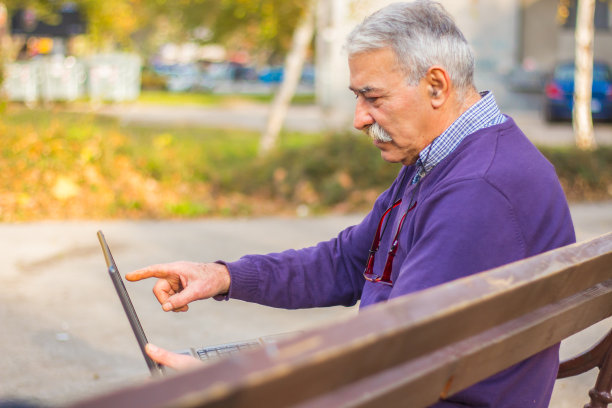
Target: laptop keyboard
227	349
224	350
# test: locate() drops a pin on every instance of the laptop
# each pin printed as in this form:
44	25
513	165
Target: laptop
203	353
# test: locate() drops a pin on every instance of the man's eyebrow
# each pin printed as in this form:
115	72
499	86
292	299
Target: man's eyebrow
364	90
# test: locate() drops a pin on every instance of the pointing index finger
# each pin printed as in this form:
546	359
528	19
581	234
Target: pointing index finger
153	271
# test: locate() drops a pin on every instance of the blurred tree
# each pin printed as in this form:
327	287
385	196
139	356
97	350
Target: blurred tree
266	26
582	115
260	26
293	70
111	23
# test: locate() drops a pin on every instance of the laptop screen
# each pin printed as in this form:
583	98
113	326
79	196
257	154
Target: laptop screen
113	271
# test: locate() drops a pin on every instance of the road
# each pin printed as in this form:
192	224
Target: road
64	335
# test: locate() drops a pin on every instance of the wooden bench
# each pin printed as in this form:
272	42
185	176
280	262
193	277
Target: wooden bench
416	348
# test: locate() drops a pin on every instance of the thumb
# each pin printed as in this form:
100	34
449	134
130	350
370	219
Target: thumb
169	359
179	301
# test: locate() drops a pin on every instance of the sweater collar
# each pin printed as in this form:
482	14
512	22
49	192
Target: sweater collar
484	113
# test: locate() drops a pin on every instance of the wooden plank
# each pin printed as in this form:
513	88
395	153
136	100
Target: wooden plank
456	367
382	337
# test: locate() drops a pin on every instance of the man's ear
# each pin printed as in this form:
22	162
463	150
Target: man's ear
438	84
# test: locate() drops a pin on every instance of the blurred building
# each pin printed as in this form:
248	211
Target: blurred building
45	38
45	70
547	29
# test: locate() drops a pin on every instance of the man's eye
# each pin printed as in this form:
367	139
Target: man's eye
369	99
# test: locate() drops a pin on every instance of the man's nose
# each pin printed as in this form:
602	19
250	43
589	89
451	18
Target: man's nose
362	116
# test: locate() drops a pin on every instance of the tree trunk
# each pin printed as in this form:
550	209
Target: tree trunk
583	84
4	40
294	62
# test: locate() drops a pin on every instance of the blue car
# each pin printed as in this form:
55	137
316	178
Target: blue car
559	93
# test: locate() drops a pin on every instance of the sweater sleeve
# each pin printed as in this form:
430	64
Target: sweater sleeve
327	274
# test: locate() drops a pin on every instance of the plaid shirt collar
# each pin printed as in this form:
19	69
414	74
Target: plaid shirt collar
482	114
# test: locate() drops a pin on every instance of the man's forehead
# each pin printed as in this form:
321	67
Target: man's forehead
369	70
367	82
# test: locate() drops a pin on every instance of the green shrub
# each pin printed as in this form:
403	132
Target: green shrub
327	172
583	174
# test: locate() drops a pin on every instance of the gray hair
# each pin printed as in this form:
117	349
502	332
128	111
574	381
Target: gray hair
421	34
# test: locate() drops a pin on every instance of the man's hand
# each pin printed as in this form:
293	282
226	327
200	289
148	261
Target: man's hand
173	360
180	283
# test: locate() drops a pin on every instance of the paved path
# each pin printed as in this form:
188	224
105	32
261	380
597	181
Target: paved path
64	335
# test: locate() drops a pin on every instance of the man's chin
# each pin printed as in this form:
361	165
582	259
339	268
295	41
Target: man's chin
396	157
388	156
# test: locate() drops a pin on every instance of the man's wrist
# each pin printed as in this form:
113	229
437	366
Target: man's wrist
225	278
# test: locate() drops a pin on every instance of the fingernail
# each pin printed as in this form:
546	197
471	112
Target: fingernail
167	306
151	348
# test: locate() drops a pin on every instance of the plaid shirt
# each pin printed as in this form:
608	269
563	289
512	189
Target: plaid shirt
482	114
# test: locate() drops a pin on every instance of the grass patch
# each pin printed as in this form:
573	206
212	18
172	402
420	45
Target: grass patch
59	165
160	97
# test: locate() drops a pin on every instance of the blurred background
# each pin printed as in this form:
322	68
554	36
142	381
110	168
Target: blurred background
154	108
58	50
206	129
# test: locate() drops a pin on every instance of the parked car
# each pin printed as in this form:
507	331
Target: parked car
184	77
271	75
275	74
559	92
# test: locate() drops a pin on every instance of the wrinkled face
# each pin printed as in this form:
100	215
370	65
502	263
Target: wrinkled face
396	115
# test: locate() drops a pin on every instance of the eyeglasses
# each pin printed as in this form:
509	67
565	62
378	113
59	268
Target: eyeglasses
385	278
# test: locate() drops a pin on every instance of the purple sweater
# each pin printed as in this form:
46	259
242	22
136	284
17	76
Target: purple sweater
493	200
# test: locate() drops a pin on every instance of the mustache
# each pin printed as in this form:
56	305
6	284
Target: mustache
377	133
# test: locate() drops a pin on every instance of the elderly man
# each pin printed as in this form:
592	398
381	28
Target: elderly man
473	194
